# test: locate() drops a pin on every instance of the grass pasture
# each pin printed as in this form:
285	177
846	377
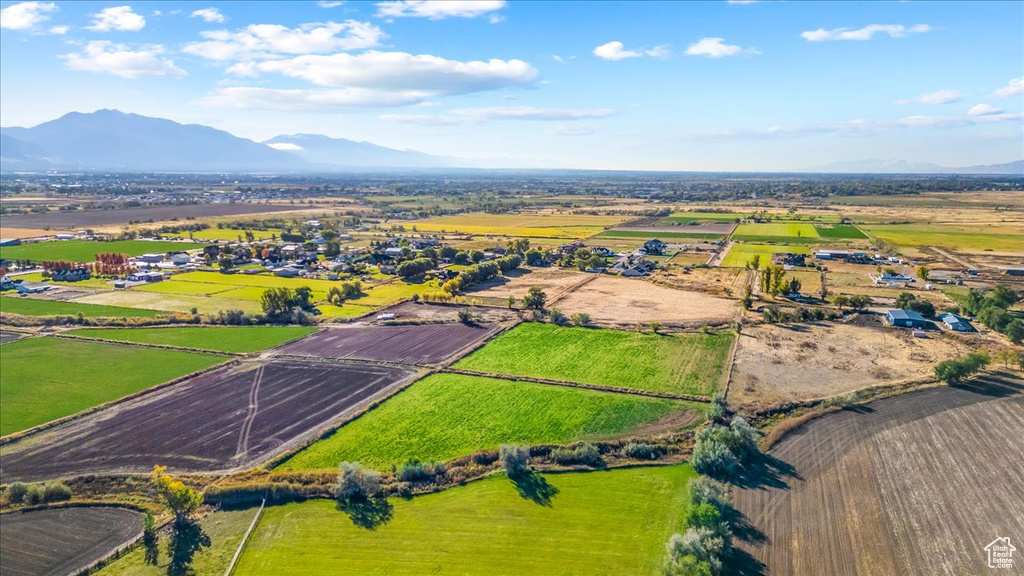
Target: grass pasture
688	217
38	307
449	415
690	363
840	231
740	254
618	521
997	237
42	379
793	231
229	234
520	225
216	338
86	250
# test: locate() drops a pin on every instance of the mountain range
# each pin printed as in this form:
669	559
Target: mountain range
110	140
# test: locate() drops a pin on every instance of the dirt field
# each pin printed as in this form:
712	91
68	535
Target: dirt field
413	344
226	418
62	541
916	484
438	313
553	280
784	363
626	302
717	281
10	336
92	218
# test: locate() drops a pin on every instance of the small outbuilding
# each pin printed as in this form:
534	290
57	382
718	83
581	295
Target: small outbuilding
956	323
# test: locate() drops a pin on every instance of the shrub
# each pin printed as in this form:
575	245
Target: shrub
586	454
356	482
16	492
514	459
643	451
959	369
696	548
720	450
34	494
416	471
559	318
55	492
704	490
581	319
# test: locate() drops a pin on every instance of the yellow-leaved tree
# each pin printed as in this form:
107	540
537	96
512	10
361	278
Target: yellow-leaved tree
180	498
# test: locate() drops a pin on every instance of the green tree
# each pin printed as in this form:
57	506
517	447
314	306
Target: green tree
840	300
356	483
959	369
179	497
535	298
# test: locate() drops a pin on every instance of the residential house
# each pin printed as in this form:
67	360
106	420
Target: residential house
73	275
789	259
892	279
150	258
146	276
905	318
654	247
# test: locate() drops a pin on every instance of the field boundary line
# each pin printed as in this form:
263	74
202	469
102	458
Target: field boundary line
148	345
18	436
245	539
570	384
732	362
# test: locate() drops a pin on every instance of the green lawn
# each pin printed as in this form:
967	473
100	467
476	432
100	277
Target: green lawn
218	338
86	251
225	529
683	363
612	522
450	415
740	254
33	307
42	379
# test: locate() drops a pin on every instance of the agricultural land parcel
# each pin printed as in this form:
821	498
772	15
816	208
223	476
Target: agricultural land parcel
520	225
63	541
625	302
998	237
449	415
86	250
48	378
234	416
553	280
41	307
915	484
682	363
412	344
796	232
740	254
216	338
75	219
621	518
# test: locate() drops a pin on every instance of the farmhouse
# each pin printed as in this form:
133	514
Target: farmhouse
73	275
145	276
654	247
905	318
789	259
956	323
891	279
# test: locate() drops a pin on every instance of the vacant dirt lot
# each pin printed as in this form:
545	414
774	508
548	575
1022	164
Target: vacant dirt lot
916	484
64	540
716	281
414	344
625	302
784	363
554	281
442	313
230	417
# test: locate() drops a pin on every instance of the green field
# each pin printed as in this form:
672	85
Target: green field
840	231
659	234
613	522
86	251
740	254
42	379
521	225
225	529
688	217
211	234
787	230
450	415
682	363
217	338
33	307
1000	237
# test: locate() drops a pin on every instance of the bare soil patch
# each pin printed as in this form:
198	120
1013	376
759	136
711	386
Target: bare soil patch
413	344
553	281
62	541
717	281
916	484
625	302
776	363
230	417
426	312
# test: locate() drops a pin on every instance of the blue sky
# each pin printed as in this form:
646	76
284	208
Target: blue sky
648	85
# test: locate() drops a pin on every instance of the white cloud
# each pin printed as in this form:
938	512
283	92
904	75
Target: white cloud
439	9
119	18
289	146
400	71
106	57
59	30
984	110
259	41
330	4
865	33
208	15
716	48
248	97
562	59
26	15
486	114
939	97
616	51
1014	88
